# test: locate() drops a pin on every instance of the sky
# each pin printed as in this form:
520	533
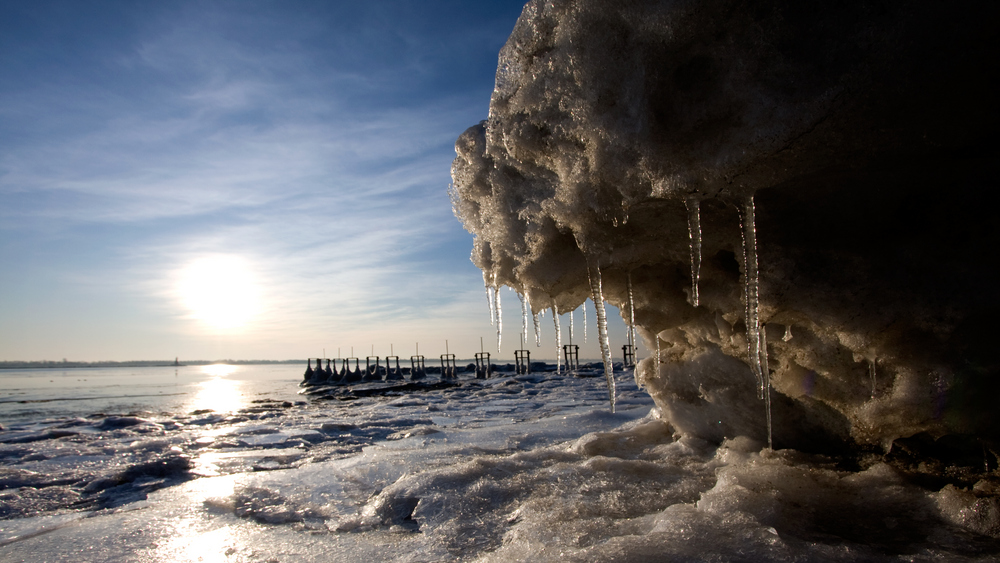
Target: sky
245	180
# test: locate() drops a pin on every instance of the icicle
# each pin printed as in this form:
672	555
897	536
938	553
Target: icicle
524	318
751	293
694	234
594	273
496	295
871	373
555	323
538	329
490	293
631	314
788	333
584	321
767	382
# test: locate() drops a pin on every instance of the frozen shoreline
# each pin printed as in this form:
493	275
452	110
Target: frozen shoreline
509	468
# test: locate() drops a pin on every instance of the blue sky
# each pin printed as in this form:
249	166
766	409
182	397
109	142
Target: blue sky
298	152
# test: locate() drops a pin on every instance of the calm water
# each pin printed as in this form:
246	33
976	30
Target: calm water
35	394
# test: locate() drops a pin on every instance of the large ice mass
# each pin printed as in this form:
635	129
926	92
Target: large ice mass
797	194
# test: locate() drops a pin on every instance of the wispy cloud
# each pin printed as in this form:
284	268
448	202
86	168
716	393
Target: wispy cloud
265	136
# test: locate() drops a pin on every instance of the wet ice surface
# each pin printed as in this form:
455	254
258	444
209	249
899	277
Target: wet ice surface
510	468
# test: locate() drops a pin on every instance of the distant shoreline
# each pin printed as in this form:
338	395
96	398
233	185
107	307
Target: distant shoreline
50	364
47	364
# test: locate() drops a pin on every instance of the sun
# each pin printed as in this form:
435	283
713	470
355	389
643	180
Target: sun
220	291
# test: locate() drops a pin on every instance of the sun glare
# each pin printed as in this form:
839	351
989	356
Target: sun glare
221	292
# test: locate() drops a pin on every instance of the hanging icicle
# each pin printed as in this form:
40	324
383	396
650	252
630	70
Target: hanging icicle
767	383
524	318
538	329
631	314
555	323
496	296
694	235
657	367
490	300
584	321
751	294
594	273
756	334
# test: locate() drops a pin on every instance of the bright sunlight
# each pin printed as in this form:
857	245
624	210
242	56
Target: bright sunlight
220	291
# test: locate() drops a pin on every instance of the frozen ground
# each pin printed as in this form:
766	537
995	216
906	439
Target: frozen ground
510	468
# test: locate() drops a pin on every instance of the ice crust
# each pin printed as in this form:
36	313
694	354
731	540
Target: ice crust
512	468
842	124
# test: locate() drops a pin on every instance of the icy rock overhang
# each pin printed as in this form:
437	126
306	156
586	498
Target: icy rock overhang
865	134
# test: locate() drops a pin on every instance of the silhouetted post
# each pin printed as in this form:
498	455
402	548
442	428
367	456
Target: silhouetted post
522	359
417	368
628	351
309	370
372	372
355	375
449	369
392	374
482	365
571	354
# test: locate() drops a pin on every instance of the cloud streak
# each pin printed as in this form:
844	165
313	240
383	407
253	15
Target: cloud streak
315	146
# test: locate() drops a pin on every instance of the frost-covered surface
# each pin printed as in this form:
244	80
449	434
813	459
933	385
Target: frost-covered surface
513	468
864	133
791	197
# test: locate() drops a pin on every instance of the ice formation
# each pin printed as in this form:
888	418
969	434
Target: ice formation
594	275
558	332
694	233
499	313
759	167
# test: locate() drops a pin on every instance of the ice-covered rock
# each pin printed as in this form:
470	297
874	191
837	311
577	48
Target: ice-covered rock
865	134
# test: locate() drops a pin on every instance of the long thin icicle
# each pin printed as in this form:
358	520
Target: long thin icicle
555	323
524	318
594	273
631	314
756	334
584	322
767	383
496	296
538	329
490	300
751	294
571	327
694	234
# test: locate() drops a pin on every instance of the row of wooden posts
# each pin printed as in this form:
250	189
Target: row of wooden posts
418	370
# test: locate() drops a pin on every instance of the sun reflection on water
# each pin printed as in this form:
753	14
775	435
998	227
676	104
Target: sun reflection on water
219	394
